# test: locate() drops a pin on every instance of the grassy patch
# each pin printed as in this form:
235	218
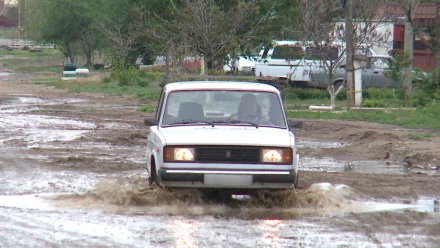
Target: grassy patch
148	109
422	117
111	87
48	60
29	69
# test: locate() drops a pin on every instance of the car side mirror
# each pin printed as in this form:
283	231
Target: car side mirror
150	122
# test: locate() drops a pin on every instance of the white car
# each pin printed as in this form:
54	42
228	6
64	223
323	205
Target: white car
199	140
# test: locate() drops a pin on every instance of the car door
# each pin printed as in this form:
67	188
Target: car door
378	78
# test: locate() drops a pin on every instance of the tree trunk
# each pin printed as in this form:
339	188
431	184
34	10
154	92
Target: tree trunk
70	53
333	99
89	60
205	65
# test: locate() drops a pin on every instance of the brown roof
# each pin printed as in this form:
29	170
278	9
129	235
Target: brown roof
425	11
424	14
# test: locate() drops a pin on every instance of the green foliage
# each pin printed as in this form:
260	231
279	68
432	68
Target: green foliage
124	75
395	72
128	75
429	84
111	87
373	104
303	94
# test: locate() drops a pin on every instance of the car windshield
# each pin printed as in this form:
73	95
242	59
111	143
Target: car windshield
287	53
223	107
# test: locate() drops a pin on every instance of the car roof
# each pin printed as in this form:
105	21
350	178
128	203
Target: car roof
219	85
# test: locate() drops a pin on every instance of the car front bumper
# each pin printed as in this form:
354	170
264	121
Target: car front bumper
227	179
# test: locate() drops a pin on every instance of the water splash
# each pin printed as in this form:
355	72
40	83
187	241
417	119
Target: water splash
135	195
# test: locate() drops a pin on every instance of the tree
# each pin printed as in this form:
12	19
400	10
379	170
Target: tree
209	28
65	23
321	23
407	9
117	22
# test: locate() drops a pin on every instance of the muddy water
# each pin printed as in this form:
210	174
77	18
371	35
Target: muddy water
63	183
332	165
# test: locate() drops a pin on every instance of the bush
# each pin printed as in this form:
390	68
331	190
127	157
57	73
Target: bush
132	76
305	93
429	85
125	75
387	93
373	104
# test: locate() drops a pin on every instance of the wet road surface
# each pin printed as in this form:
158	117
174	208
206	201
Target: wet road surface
68	181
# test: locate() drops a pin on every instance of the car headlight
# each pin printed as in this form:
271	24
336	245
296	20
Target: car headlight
277	155
178	154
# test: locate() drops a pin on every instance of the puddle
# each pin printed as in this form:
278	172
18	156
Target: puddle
27	178
418	205
381	167
309	143
331	165
36	129
22	103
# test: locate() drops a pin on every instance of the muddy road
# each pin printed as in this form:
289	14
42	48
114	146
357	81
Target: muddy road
72	175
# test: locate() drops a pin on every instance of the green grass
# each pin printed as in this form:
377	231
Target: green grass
150	93
30	69
422	117
26	53
148	109
48	60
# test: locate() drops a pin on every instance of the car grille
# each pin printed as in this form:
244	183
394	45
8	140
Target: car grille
228	154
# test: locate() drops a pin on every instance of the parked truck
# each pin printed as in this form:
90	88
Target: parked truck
285	63
374	74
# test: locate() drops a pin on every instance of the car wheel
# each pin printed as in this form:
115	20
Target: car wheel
296	183
337	84
153	176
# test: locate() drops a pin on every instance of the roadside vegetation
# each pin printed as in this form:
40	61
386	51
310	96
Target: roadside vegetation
422	111
121	33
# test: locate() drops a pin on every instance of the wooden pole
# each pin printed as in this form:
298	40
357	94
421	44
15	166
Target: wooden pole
408	48
349	74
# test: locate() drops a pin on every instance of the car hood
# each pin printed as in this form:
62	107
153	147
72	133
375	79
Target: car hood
220	135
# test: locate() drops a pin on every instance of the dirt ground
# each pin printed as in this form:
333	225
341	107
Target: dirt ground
413	148
418	150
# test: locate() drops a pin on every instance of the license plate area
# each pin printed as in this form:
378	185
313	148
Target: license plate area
228	180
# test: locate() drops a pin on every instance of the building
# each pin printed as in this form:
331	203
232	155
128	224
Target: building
5	20
424	16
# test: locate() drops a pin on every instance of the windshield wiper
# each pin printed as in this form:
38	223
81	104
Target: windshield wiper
192	122
236	122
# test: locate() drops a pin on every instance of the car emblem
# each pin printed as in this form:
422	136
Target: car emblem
228	154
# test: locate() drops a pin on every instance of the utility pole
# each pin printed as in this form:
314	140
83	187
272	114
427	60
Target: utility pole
408	41
20	24
349	70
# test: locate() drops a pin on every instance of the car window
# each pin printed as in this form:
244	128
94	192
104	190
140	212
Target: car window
287	52
316	54
220	106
